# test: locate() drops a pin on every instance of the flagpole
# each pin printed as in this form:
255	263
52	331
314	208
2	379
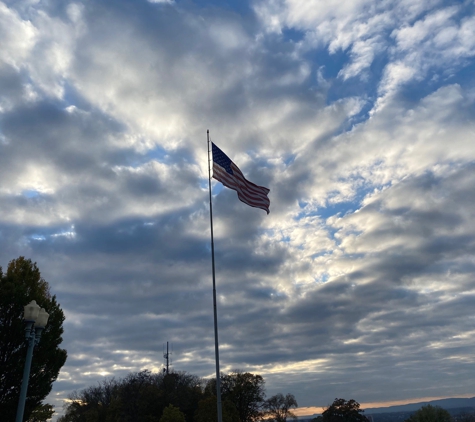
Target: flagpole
216	347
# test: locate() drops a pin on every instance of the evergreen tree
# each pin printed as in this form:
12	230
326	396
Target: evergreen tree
21	284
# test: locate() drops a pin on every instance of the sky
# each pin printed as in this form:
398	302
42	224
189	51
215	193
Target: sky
359	117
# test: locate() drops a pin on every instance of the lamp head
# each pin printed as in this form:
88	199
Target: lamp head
31	311
42	319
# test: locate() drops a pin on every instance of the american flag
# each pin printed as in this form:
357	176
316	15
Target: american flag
228	173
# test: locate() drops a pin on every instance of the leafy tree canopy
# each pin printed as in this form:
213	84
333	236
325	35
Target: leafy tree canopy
207	411
21	284
172	414
140	396
246	391
278	407
344	411
144	396
430	414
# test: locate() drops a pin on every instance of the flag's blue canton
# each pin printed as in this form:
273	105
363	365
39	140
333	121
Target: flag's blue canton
219	157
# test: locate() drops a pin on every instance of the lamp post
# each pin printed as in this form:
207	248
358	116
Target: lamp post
36	319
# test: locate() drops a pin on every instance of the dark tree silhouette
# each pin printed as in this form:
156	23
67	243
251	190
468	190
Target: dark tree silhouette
278	407
41	413
245	390
140	396
21	284
430	414
344	411
93	403
207	411
144	396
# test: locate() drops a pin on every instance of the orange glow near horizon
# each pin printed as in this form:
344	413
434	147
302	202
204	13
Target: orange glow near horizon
309	411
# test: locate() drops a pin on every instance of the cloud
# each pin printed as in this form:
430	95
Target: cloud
360	281
18	39
399	36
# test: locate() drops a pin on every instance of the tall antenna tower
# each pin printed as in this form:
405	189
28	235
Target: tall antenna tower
168	361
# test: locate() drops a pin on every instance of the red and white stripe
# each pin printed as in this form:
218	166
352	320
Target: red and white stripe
248	192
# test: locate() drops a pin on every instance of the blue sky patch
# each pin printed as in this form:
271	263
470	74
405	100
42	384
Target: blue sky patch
31	193
292	34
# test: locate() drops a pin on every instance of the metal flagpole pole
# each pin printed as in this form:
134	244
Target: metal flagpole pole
216	347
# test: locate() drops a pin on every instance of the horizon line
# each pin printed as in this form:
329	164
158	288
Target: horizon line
313	410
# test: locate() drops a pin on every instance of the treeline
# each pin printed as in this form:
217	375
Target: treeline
177	397
183	397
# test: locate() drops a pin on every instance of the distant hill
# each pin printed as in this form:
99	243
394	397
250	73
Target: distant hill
443	403
401	413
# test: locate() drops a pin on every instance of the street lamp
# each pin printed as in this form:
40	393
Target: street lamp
36	319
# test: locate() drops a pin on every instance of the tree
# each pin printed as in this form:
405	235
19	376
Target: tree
430	414
344	411
183	390
207	411
466	417
140	396
246	391
278	407
91	404
144	396
21	284
42	413
172	414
